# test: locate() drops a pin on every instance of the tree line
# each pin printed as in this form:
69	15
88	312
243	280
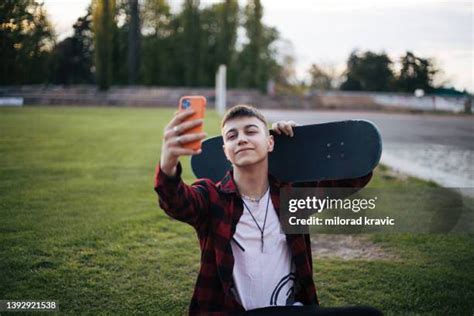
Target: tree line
369	71
132	42
121	42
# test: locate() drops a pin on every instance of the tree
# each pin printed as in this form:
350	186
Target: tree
320	78
159	44
72	60
218	33
250	57
257	61
120	39
416	73
191	42
134	35
269	65
368	72
104	30
229	21
27	38
285	81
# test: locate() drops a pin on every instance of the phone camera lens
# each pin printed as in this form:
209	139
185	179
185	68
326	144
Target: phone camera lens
186	104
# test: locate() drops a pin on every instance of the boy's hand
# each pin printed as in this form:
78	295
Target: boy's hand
285	127
174	139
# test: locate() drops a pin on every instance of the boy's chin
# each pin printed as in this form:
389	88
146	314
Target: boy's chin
243	163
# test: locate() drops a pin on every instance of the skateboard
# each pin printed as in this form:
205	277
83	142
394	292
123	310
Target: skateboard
328	151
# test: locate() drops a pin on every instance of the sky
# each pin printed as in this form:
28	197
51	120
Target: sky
325	32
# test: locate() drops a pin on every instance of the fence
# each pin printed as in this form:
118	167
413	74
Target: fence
167	97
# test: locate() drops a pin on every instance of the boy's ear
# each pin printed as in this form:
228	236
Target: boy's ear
271	143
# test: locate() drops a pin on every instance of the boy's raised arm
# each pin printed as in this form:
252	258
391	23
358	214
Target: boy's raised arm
187	203
174	139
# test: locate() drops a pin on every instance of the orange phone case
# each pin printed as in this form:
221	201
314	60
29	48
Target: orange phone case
198	103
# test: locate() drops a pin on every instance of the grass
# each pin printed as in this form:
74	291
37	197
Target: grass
80	224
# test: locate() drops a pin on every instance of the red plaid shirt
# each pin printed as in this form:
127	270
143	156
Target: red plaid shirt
214	209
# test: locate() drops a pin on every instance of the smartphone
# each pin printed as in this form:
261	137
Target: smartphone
198	103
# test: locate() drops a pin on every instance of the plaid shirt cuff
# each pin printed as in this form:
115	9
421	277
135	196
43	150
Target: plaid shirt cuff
165	180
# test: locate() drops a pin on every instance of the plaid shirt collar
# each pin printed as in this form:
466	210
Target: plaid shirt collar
227	184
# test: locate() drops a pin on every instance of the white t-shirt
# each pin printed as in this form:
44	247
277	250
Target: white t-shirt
262	279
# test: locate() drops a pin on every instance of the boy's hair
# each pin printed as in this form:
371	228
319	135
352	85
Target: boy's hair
242	110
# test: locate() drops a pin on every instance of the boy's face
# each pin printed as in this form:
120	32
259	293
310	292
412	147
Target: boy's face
246	141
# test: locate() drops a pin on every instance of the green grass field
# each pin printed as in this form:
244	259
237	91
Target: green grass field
80	224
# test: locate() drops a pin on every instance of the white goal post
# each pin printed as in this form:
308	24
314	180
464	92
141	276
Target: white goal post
221	90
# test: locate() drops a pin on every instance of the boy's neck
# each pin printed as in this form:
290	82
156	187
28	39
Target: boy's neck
252	181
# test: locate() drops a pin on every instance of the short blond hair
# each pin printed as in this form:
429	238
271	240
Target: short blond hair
242	110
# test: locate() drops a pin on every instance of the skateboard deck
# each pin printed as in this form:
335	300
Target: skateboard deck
328	151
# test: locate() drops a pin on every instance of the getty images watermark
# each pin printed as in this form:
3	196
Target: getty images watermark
348	211
326	204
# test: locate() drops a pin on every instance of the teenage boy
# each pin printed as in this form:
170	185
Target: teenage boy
246	262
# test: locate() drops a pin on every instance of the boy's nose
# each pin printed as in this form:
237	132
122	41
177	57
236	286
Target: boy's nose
241	139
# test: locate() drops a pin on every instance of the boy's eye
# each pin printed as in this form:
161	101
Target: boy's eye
231	136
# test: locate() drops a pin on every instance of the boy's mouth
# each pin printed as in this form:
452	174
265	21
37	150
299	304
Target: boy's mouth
242	150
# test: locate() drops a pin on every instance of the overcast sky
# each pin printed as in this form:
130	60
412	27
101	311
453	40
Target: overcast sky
326	31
